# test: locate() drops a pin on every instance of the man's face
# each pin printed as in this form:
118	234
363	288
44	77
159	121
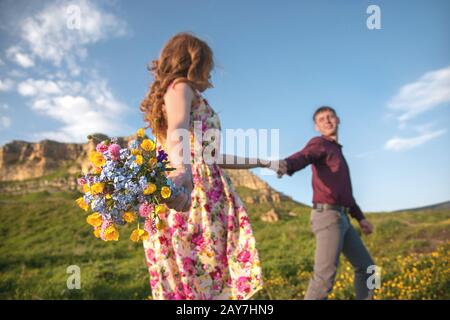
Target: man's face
327	123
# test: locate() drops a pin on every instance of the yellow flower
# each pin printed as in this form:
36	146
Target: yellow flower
165	192
97	158
148	145
135	152
139	159
108	196
150	189
141	132
86	188
129	216
160	209
97	232
111	234
94	219
83	205
97	188
97	170
138	235
152	162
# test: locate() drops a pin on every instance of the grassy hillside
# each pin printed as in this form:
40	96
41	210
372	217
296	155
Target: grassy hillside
41	234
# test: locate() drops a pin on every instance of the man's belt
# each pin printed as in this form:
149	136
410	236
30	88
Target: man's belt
325	206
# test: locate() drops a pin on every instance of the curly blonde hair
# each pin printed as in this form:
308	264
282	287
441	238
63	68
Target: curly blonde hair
184	58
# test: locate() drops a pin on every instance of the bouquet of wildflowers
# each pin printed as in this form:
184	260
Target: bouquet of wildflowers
126	185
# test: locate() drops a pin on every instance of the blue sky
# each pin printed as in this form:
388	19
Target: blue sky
276	62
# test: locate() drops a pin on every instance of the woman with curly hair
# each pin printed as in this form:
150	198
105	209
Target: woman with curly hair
204	247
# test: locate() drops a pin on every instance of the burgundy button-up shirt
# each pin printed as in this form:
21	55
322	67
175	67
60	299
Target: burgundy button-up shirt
331	175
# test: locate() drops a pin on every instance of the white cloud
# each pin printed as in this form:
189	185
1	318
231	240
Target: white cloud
16	54
50	35
6	84
32	87
80	106
402	144
428	92
81	109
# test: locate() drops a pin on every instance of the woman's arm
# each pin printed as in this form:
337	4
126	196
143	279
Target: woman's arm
177	101
226	161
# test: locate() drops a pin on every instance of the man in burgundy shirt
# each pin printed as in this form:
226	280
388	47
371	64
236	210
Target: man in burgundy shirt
332	201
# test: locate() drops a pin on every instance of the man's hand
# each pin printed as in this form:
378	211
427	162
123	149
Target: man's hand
366	226
279	166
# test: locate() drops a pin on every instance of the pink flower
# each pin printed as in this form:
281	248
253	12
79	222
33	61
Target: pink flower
244	256
179	221
145	209
153	283
244	222
198	239
188	265
101	147
188	291
243	284
114	150
81	181
163	241
216	274
151	256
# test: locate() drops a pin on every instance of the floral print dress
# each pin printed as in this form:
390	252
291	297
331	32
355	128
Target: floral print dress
208	252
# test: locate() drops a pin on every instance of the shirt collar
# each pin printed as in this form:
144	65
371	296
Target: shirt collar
331	140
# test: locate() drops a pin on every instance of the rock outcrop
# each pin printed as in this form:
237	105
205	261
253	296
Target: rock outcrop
27	166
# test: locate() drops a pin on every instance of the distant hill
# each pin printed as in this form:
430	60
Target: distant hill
438	206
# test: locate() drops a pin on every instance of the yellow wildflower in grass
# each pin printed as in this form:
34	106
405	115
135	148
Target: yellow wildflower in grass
152	162
166	192
111	234
86	188
97	188
83	205
138	235
97	232
108	196
129	216
139	159
141	132
94	219
97	158
148	145
150	189
160	209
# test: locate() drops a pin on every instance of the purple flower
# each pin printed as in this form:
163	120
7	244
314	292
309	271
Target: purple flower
161	156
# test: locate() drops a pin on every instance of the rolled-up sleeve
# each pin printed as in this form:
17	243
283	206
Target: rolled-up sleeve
312	152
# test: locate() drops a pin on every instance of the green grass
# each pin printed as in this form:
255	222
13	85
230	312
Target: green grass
43	233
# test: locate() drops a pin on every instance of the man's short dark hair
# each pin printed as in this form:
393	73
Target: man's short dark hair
322	109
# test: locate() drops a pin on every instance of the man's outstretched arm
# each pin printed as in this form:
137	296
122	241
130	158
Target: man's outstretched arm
312	152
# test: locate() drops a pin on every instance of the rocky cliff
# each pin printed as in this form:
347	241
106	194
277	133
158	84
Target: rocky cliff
27	166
